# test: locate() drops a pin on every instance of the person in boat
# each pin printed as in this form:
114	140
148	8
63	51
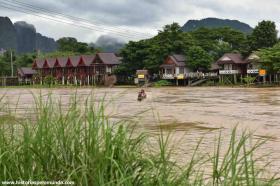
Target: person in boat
141	95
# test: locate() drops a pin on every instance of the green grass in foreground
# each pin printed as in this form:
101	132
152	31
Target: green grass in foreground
82	145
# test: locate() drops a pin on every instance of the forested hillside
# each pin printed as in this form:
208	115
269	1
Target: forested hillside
192	25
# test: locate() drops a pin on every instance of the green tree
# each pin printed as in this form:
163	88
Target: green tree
198	58
25	60
218	41
134	55
5	63
69	44
150	53
264	35
270	58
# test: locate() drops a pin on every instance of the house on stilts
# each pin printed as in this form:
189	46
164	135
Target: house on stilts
174	68
232	68
78	70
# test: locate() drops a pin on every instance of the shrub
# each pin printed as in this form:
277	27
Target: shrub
162	83
49	80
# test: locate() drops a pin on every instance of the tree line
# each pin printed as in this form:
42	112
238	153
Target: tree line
201	47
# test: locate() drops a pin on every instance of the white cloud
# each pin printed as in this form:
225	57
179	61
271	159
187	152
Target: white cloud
145	16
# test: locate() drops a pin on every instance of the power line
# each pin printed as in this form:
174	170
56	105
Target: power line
39	14
27	12
19	8
80	25
76	18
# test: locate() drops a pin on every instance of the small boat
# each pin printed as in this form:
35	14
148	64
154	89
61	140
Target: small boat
141	95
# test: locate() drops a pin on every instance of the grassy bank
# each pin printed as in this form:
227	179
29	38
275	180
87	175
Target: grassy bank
80	144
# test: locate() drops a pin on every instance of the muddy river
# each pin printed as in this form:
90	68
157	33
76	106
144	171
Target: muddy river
190	113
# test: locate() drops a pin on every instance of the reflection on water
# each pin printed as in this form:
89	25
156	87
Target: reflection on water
189	113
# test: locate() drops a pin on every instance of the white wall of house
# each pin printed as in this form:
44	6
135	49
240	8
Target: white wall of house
108	69
182	70
177	69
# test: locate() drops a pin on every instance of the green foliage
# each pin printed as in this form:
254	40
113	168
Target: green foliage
218	41
56	54
5	66
25	60
134	54
168	41
264	35
5	63
249	80
162	83
49	80
198	58
69	44
270	58
151	53
192	25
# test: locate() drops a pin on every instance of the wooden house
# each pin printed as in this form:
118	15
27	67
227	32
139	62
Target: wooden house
26	75
253	64
175	68
232	66
83	70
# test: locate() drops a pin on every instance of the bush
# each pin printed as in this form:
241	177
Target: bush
249	80
162	83
49	80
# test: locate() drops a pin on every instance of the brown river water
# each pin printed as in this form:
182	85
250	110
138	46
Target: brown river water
190	113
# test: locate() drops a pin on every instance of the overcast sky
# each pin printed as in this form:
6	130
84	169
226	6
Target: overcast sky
145	16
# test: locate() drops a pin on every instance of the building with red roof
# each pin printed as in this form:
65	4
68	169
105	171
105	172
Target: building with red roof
83	69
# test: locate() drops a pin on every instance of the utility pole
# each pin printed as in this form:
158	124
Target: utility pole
12	65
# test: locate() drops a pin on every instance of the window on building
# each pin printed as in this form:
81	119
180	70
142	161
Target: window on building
100	70
181	70
169	71
228	66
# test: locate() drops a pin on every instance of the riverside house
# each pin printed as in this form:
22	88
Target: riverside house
174	68
253	66
232	67
254	69
83	70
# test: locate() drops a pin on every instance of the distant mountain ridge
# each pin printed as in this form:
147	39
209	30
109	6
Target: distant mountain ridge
192	25
23	37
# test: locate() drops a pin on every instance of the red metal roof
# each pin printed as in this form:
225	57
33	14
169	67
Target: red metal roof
88	59
74	61
49	63
61	62
38	63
